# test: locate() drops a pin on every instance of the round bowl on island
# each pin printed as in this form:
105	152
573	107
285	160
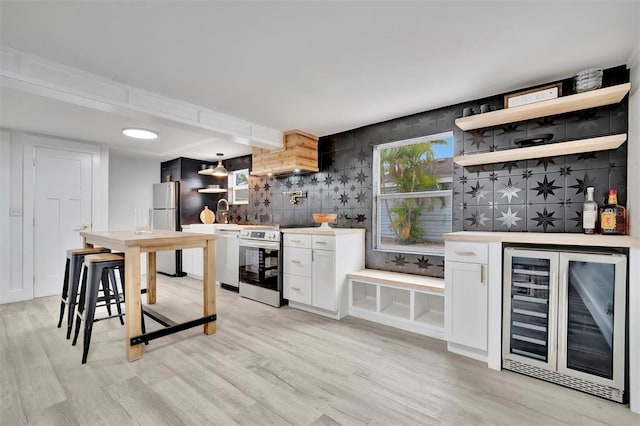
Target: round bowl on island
324	219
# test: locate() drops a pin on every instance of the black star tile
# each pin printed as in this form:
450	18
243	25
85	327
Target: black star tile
573	217
314	180
266	202
545	165
344	178
361	197
362	156
542	218
578	183
588	123
478	218
344	198
328	180
480	193
361	218
361	177
478	140
545	186
399	260
509	168
565	171
266	187
423	262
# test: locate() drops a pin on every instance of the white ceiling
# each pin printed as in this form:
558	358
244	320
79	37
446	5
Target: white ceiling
322	67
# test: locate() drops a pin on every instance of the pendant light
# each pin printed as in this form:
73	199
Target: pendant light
220	170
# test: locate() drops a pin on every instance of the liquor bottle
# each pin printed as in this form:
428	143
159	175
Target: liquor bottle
613	218
589	213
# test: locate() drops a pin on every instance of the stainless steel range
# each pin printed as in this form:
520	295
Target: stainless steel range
260	260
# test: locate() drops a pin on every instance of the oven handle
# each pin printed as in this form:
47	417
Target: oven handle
259	244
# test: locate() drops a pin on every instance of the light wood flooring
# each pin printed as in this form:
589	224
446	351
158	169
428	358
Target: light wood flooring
264	366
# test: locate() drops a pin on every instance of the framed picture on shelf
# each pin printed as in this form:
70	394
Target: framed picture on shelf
538	94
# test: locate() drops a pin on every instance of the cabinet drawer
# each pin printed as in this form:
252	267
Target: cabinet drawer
297	261
460	251
296	288
323	242
297	240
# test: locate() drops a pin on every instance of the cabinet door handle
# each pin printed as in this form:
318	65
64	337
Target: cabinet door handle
295	241
321	242
482	274
295	289
465	253
295	261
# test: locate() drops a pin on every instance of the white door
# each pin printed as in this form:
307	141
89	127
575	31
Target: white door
466	304
62	208
324	285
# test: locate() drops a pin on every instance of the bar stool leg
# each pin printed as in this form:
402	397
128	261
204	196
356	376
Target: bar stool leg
95	275
81	304
74	276
65	292
106	289
116	294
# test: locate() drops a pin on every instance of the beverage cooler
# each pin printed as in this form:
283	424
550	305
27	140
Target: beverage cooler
564	318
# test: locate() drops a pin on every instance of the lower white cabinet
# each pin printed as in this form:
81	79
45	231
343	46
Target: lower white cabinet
466	297
315	267
409	302
324	280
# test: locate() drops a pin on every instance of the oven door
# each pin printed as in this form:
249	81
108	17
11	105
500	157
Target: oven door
259	263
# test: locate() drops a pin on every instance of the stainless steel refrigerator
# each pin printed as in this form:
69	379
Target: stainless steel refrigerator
166	215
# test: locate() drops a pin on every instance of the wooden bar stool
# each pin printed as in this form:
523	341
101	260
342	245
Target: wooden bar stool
72	273
98	268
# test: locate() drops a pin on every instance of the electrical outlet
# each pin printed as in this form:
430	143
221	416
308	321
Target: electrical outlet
15	211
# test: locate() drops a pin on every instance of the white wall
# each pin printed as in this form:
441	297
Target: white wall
17	185
131	182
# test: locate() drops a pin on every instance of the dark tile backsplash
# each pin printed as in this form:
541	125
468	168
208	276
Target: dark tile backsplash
539	195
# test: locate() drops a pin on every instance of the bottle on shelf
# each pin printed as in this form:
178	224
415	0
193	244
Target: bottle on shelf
613	218
589	213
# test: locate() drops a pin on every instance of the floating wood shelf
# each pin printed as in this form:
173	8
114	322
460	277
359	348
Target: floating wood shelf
540	151
212	190
577	102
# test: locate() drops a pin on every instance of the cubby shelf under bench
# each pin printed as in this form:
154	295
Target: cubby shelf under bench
409	302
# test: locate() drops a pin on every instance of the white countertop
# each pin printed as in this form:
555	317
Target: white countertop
211	228
324	231
546	238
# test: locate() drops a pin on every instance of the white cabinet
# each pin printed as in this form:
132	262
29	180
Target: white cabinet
315	267
409	302
466	297
324	276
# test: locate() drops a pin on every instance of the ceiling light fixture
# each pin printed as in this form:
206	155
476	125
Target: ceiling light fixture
136	133
220	170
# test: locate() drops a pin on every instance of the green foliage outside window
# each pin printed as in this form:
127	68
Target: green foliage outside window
408	169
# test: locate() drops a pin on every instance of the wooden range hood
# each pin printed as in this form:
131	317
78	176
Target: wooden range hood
299	154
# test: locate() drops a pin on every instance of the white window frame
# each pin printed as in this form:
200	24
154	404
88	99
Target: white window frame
232	187
378	197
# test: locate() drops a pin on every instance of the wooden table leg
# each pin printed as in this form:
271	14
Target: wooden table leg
133	302
151	277
209	284
85	244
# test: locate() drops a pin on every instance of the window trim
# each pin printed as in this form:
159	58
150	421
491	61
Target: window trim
377	197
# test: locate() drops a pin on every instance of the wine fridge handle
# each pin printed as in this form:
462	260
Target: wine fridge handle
482	274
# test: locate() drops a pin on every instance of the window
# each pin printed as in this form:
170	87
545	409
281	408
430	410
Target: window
239	187
413	194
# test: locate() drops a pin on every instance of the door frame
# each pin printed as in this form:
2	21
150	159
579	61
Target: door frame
99	192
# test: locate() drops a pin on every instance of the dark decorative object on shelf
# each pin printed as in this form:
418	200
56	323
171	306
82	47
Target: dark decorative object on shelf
533	139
